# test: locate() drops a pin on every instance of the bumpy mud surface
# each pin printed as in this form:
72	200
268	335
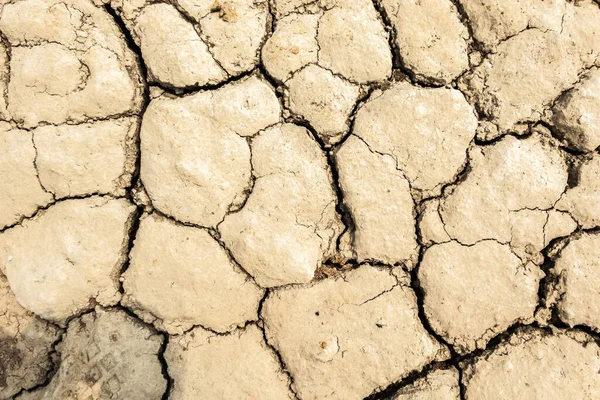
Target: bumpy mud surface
299	199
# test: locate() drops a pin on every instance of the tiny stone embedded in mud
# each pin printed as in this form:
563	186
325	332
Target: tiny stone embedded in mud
299	199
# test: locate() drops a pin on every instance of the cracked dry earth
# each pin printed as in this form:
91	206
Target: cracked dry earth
299	199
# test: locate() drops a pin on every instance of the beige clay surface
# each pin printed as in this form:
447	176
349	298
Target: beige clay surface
299	199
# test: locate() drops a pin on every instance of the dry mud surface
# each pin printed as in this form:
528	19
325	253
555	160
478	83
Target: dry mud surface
299	199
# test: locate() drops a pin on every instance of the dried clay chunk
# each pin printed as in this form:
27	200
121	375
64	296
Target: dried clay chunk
106	354
578	291
196	282
21	192
431	225
346	37
493	21
534	230
238	365
548	60
68	257
235	30
583	200
323	99
195	159
531	364
576	114
399	143
80	69
350	335
25	342
440	384
324	58
196	43
405	122
430	38
292	46
91	158
506	177
378	197
289	225
172	49
353	42
458	302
